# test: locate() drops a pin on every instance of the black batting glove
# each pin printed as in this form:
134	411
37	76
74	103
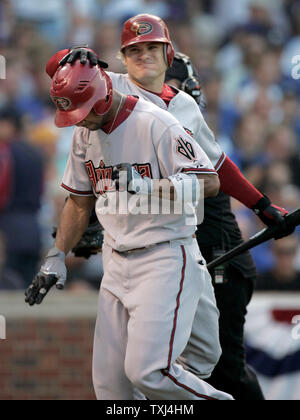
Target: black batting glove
126	178
269	213
39	288
272	215
84	54
53	272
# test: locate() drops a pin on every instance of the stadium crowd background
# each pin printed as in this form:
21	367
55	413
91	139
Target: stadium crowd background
243	51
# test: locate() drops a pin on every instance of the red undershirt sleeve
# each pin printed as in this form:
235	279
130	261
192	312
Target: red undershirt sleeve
234	184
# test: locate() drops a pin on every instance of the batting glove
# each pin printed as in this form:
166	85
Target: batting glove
126	178
84	54
268	213
272	215
53	272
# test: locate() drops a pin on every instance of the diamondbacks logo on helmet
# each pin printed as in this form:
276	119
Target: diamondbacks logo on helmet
142	28
62	103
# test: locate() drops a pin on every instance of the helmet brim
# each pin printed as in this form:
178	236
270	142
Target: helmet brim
144	39
69	118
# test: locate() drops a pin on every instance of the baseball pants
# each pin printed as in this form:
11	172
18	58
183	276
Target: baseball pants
147	304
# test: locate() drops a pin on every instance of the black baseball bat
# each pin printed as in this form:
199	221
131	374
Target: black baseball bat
292	221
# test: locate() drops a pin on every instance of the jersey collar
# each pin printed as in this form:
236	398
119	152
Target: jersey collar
124	113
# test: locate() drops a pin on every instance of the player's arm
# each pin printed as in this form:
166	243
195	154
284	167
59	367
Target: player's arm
237	186
127	178
233	182
211	185
73	222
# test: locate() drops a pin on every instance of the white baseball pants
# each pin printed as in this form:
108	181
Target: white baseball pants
147	305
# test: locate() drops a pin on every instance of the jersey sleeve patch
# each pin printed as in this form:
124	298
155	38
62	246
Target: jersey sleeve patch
185	148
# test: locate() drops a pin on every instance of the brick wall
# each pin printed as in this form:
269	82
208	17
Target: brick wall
47	354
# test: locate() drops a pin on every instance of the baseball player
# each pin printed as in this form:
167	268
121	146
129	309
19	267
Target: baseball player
147	52
153	283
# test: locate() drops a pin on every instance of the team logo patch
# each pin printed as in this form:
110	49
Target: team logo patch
142	28
185	148
62	103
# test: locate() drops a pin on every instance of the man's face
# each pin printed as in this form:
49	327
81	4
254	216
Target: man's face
145	61
93	122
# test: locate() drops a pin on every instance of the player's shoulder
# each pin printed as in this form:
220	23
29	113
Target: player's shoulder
118	78
185	101
184	105
80	137
155	113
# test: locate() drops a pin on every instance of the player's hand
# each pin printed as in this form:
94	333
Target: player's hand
126	178
83	54
268	213
53	272
272	215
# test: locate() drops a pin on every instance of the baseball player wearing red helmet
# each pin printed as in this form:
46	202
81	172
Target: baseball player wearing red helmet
147	52
152	283
148	28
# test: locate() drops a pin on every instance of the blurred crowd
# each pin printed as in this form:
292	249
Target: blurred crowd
243	51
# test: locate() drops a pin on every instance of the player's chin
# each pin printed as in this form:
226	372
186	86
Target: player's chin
147	75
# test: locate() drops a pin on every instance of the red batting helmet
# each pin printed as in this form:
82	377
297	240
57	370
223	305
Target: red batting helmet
77	89
147	28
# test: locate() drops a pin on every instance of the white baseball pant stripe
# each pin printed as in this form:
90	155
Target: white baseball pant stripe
166	372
